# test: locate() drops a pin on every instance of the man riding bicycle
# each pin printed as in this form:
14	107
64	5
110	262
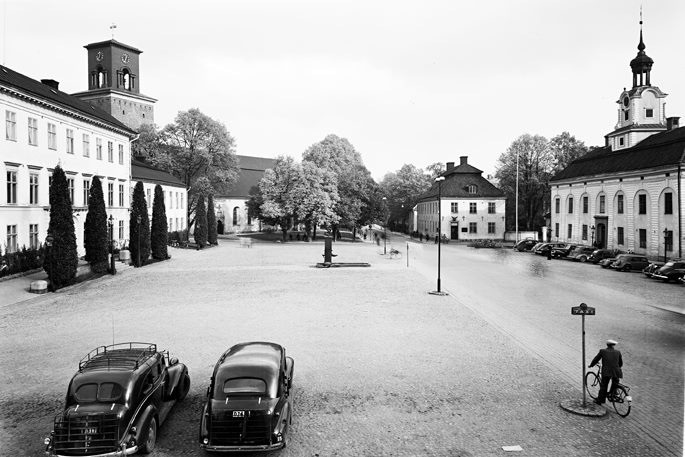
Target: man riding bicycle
611	369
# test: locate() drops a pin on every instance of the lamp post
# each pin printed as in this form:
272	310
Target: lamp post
385	225
49	240
138	219
110	224
517	197
592	231
665	243
439	180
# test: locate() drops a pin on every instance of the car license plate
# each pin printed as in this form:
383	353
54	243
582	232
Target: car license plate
91	431
238	413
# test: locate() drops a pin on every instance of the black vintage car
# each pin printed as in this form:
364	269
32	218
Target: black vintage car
673	270
249	400
117	399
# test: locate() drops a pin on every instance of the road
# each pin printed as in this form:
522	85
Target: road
529	298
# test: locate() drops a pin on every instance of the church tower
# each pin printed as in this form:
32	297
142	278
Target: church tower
641	110
114	83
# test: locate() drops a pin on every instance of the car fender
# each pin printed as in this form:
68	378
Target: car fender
149	412
175	375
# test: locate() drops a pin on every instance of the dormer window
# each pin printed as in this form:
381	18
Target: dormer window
472	189
649	112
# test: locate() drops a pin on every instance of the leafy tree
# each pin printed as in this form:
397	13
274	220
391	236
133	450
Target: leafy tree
434	170
200	233
95	236
61	259
315	195
148	144
402	189
565	149
254	203
139	227
160	230
212	237
535	165
276	188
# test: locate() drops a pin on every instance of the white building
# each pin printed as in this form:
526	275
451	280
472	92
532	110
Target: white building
45	127
628	194
472	208
175	193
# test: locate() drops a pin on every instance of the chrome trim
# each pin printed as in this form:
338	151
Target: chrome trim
265	447
127	451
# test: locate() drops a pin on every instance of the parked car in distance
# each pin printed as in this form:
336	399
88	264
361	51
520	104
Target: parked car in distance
525	245
606	263
650	269
581	253
563	251
249	400
630	262
544	248
117	400
601	254
673	270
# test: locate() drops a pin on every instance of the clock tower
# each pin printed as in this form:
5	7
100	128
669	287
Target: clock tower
641	110
114	83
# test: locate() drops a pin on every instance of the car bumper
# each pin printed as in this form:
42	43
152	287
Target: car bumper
656	276
265	448
127	451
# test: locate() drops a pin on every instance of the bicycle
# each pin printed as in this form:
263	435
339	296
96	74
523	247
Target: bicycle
395	254
621	398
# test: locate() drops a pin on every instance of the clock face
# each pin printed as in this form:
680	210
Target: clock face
626	102
99	56
124	58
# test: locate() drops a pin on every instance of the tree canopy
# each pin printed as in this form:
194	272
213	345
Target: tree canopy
402	189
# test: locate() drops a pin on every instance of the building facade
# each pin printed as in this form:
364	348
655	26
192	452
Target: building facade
45	127
628	194
471	207
175	194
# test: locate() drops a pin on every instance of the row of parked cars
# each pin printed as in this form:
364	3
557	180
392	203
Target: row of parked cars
673	270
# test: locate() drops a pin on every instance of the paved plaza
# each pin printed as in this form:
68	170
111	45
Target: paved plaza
381	367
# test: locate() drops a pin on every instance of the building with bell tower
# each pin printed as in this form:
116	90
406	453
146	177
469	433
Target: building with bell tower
114	83
641	110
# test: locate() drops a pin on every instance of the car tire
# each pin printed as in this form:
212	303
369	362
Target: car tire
626	268
583	259
149	438
183	388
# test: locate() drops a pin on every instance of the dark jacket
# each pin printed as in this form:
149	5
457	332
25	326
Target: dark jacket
611	362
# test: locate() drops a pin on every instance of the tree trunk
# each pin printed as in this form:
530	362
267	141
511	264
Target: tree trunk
285	233
314	233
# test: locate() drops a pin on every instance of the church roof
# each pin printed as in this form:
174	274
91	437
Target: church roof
457	182
114	42
658	150
250	172
17	81
141	171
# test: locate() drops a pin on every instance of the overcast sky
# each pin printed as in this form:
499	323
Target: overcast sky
405	82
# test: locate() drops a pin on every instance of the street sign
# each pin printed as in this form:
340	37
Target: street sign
586	311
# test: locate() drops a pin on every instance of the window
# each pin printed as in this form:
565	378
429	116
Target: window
570	231
235	216
619	204
110	151
86	145
472	208
491	228
619	235
556	205
110	194
33	131
181	201
170	205
121	154
649	112
570	205
121	230
148	191
176	222
621	141
33	236
177	200
70	141
244	385
642	204
12	187
171	221
70	183
121	195
472	189
11	238
643	238
473	227
86	191
668	203
491	207
626	115
668	240
33	189
602	204
98	148
11	125
556	230
585	205
52	136
584	232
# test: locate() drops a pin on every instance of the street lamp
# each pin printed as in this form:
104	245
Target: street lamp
592	231
665	243
49	240
385	224
517	197
439	180
138	219
110	223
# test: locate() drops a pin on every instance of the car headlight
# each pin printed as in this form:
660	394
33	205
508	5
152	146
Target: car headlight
47	441
205	441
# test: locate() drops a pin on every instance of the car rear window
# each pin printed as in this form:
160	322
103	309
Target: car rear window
244	386
105	392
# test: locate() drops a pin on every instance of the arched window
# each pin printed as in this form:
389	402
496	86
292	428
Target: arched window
235	215
126	79
248	216
101	79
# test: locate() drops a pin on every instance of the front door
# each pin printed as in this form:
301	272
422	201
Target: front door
601	235
454	234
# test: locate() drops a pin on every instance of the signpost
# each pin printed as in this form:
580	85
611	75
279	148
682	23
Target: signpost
583	310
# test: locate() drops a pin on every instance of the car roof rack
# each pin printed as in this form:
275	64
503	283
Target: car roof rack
122	356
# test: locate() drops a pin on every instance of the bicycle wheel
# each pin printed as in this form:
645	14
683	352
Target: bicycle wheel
592	384
621	402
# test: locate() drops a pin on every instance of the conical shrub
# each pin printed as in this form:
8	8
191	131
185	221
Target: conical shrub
211	221
95	229
61	258
200	233
159	232
139	227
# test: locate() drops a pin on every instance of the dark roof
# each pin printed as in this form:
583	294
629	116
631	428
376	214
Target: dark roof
23	83
638	127
257	359
658	150
141	171
457	181
101	44
250	172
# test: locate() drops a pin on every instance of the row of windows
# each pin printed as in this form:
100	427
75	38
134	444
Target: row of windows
11	135
168	199
620	236
642	204
473	207
473	227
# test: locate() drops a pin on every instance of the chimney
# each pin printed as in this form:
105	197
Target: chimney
450	165
462	160
51	83
672	123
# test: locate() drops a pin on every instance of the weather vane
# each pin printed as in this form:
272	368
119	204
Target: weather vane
112	27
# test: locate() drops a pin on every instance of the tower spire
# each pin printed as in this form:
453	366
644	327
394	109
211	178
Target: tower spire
642	63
